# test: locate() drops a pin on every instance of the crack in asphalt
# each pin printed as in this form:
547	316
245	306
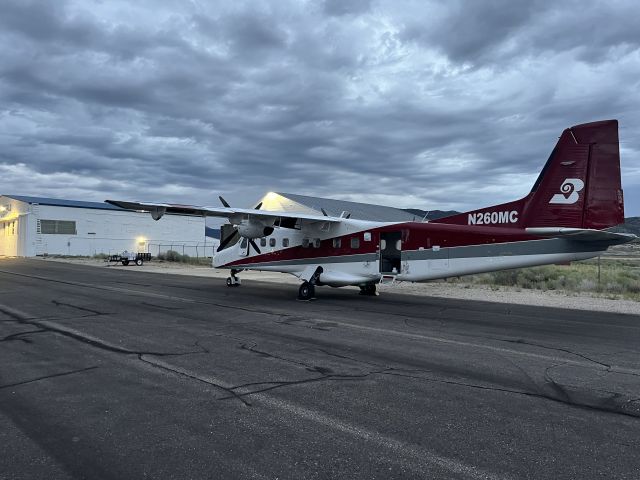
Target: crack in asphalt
163	307
84	309
276	384
252	348
54	375
90	340
18	336
558	349
186	374
353	359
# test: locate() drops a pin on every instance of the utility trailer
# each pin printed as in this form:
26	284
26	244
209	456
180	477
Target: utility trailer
127	257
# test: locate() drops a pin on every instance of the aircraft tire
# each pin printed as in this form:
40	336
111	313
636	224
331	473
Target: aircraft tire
229	282
139	262
369	290
306	291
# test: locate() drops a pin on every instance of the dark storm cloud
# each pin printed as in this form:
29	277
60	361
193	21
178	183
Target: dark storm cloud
431	105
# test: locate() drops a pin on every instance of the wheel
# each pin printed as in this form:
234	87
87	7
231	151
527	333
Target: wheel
125	262
139	262
369	289
306	291
229	282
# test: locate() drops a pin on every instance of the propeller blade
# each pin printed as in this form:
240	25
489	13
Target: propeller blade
224	202
224	242
258	206
253	244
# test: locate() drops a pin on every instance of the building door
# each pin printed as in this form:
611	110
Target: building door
390	252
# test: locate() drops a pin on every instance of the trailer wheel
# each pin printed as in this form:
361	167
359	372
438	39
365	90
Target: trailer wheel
125	262
139	262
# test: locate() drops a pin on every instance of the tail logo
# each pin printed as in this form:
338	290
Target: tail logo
568	192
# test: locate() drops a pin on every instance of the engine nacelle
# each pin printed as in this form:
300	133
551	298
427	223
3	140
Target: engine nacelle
252	229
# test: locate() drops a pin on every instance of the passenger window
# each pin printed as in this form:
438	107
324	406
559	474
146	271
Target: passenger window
337	242
272	242
285	242
399	245
367	236
383	244
263	242
355	242
316	243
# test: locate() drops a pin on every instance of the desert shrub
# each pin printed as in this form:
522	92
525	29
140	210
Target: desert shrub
618	278
173	256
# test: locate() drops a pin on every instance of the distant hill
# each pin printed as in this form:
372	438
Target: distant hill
630	225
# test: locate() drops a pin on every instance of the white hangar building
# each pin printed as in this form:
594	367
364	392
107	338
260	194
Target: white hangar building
31	226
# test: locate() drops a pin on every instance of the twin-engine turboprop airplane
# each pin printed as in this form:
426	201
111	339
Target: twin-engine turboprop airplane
576	196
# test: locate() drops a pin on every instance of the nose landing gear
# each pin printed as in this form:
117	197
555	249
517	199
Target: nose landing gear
234	280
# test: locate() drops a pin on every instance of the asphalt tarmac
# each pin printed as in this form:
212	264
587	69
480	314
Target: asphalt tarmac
119	374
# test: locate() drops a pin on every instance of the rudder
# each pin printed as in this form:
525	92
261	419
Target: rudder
580	185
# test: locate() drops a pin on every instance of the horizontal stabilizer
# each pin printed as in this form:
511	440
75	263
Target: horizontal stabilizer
582	234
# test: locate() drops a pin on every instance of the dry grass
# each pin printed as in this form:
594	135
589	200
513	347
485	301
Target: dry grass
618	278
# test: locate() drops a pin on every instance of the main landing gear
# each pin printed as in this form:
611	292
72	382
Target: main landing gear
369	290
307	290
233	280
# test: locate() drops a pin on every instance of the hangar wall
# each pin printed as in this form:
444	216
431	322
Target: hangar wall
35	229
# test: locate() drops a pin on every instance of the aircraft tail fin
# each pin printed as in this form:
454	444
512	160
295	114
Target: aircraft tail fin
579	187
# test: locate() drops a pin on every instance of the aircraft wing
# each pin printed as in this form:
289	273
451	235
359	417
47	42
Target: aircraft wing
582	234
233	214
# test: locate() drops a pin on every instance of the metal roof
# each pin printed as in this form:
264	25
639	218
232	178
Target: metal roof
360	211
64	203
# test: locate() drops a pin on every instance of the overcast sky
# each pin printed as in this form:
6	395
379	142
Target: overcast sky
433	105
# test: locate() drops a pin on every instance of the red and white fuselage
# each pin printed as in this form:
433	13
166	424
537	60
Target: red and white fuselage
357	252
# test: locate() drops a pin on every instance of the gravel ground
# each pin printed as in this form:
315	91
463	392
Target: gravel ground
570	300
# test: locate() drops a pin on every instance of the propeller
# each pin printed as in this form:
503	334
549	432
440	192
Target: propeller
253	244
225	241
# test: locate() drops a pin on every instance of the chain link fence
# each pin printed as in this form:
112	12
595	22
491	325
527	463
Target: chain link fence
199	250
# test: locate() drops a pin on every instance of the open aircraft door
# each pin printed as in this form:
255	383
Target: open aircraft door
390	252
